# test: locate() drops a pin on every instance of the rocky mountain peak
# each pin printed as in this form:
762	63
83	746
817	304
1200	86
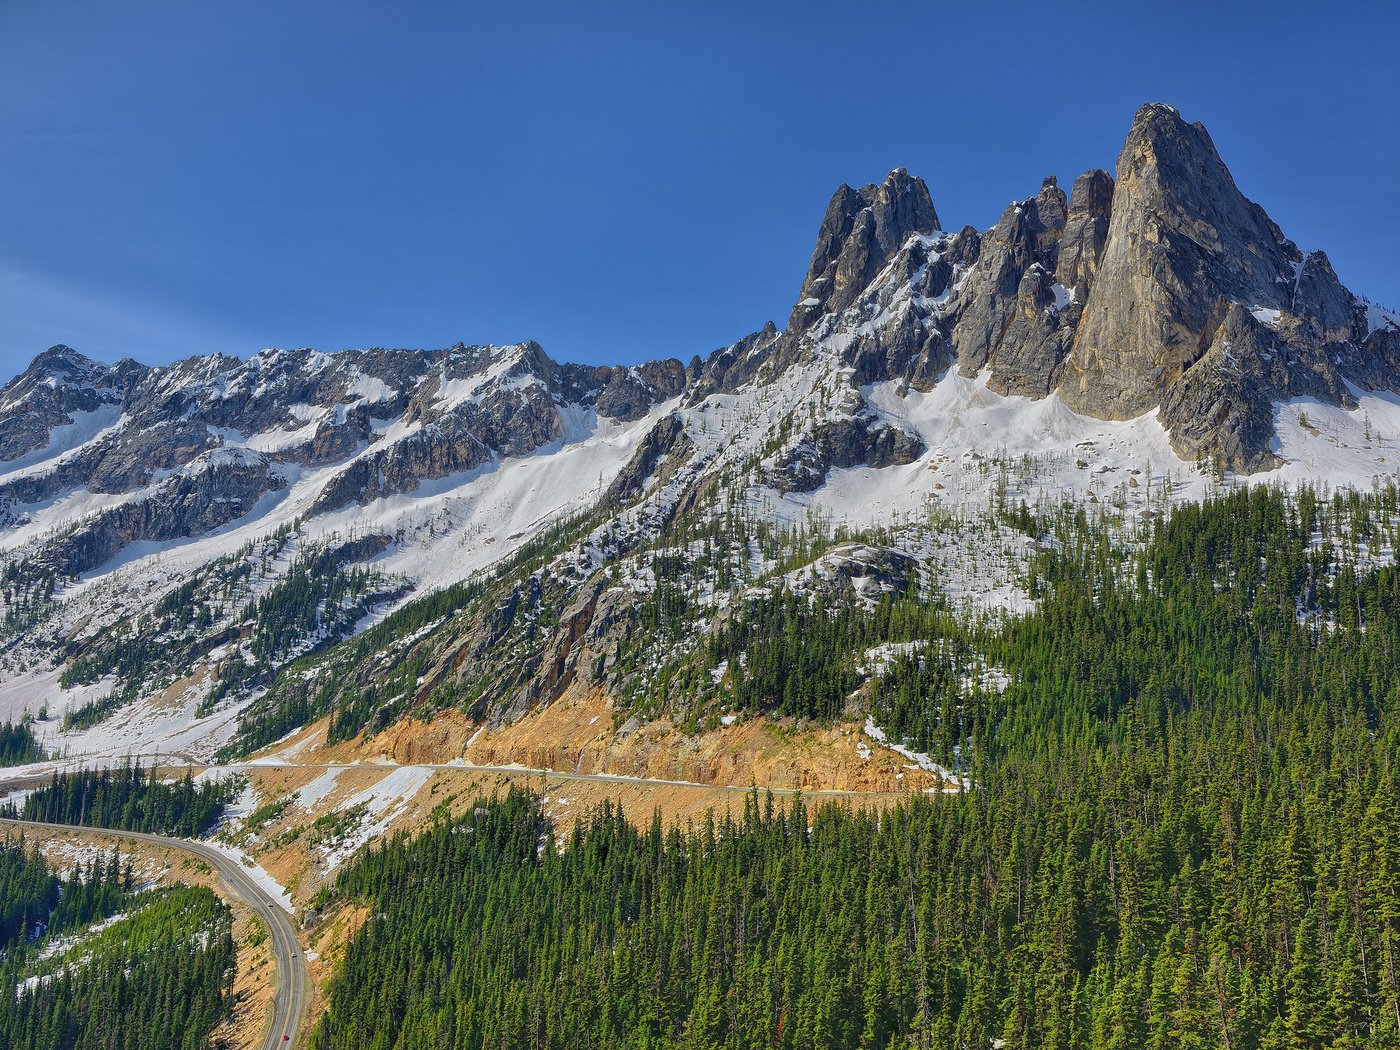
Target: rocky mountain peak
1181	237
1161	286
61	358
1004	317
58	366
861	230
59	386
1199	304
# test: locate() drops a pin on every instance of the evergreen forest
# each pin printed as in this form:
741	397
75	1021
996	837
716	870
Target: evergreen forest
1181	830
129	798
157	975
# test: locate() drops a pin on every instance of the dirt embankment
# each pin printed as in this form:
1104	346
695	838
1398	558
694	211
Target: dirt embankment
578	734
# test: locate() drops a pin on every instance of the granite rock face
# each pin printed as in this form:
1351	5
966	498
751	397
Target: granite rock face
1034	337
862	229
1086	232
1181	238
1201	306
667	439
1005	317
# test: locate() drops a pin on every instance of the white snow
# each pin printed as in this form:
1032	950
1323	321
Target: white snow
1378	318
63	440
319	789
369	389
383	801
920	759
878	660
1337	446
256	872
979	442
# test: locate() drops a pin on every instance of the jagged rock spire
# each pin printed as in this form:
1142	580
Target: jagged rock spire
860	231
1181	236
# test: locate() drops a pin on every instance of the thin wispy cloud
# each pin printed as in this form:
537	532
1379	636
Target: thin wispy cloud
37	311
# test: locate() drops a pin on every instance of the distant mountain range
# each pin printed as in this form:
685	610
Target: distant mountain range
1144	336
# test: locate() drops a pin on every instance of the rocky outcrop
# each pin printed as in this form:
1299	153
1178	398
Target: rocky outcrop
1181	238
856	570
727	369
855	442
1034	337
214	490
628	394
861	230
432	452
666	440
1086	232
992	296
1221	407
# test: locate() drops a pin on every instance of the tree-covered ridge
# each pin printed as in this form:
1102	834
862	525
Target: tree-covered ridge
1183	830
158	977
129	798
18	744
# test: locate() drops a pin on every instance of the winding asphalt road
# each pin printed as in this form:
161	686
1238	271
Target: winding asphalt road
289	1000
545	775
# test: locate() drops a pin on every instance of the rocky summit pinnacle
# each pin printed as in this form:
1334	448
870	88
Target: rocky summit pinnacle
1196	306
861	230
1160	288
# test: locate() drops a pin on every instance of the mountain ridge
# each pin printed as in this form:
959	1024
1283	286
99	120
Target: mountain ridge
1127	343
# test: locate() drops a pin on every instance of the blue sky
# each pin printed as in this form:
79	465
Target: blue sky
617	181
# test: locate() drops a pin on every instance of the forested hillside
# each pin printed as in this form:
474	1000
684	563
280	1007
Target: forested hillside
1182	830
157	976
18	744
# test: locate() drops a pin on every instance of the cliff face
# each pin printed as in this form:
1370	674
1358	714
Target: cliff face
1163	288
1200	305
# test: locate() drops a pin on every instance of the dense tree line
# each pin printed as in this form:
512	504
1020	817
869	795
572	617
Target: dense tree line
33	900
794	656
1183	830
159	978
18	744
129	798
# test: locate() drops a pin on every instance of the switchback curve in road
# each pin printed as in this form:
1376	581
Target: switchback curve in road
289	999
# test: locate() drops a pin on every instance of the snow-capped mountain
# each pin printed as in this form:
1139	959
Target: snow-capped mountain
176	537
